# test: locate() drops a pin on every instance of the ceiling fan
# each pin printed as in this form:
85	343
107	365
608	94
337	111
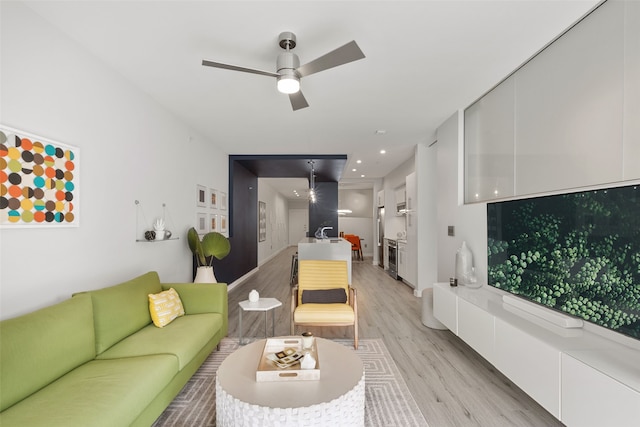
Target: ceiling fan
289	72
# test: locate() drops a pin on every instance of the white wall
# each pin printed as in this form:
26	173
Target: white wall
130	148
470	221
277	222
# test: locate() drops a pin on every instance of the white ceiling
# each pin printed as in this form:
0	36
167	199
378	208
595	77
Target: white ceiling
424	60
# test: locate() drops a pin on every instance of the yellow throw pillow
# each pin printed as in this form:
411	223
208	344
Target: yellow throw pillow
165	307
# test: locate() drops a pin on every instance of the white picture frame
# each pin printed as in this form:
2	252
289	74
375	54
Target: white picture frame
223	224
201	196
214	224
213	198
223	201
202	223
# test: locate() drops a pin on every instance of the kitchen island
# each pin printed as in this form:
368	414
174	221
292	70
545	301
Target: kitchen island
334	248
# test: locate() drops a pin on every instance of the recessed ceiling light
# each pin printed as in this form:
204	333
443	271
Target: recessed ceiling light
354	169
362	176
383	151
358	161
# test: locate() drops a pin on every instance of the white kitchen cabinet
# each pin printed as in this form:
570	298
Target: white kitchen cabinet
402	259
401	196
381	198
411	223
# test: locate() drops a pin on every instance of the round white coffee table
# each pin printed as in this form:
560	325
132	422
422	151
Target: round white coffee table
337	398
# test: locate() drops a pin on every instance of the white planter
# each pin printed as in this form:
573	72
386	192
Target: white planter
205	274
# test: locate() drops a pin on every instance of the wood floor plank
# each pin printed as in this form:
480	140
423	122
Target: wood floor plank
451	383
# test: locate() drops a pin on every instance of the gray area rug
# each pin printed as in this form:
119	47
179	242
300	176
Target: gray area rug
388	401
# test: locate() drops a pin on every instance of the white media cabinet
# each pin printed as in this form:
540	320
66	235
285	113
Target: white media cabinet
581	377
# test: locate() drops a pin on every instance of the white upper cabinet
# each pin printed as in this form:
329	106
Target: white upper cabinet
489	148
631	90
565	119
569	102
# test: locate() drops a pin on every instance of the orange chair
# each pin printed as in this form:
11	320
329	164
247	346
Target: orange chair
355	245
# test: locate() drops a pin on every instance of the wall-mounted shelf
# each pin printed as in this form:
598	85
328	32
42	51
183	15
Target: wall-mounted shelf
166	217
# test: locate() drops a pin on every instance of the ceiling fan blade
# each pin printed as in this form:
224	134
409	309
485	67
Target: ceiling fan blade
298	101
343	55
237	68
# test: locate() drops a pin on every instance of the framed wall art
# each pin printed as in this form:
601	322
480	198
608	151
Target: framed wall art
213	222
40	181
223	201
201	223
262	221
201	196
223	224
213	198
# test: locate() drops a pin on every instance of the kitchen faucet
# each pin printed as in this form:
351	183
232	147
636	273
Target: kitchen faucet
320	234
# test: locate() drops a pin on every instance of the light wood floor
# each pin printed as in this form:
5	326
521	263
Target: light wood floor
451	383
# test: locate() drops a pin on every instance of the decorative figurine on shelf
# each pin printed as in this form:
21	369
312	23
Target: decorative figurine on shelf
158	227
254	296
150	235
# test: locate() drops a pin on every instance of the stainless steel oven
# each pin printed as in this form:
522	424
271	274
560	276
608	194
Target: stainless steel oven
392	250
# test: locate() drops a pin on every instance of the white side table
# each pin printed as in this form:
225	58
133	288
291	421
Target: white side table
263	304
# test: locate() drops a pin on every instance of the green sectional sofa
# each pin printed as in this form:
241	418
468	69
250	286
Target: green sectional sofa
97	359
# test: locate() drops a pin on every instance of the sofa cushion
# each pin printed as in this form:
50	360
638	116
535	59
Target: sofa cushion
165	307
39	347
99	393
123	309
183	337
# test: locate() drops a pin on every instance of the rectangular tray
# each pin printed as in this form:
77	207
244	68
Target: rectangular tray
268	371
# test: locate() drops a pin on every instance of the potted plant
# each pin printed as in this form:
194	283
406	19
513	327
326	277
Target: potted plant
212	245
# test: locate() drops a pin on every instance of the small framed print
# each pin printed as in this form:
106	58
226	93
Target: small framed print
213	222
201	196
213	198
223	201
223	224
201	223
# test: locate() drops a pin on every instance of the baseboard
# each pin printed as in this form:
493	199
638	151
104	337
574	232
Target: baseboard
547	314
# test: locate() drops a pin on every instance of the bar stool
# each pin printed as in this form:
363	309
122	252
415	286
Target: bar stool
293	279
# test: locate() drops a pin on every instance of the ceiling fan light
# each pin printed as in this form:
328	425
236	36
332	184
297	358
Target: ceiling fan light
288	84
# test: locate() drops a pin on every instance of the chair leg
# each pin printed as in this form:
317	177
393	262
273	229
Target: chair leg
355	336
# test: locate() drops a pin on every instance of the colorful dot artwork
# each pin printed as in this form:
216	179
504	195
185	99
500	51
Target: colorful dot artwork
38	181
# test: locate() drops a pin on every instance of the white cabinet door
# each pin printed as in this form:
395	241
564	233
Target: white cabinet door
445	306
381	198
411	258
402	260
475	327
569	105
631	123
591	398
531	364
489	145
